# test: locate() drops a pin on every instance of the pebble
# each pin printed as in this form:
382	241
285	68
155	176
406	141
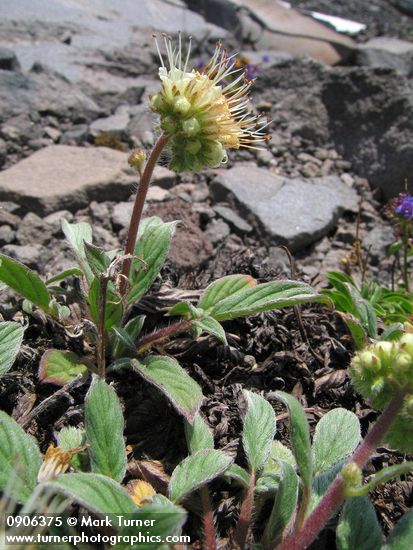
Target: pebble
234	220
217	231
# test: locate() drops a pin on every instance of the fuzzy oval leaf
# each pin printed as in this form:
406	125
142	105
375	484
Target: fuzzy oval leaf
166	374
265	297
11	338
20	460
401	538
25	282
299	435
104	427
151	250
77	234
195	471
259	430
97	493
284	505
210	326
60	367
358	528
336	436
239	475
224	288
198	435
97	258
167	520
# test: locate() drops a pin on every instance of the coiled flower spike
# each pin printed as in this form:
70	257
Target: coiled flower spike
204	112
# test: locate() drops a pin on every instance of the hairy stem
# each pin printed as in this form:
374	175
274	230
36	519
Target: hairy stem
334	496
210	542
245	516
302	511
162	334
101	336
138	209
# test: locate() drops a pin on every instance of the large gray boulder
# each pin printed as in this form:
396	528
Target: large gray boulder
291	211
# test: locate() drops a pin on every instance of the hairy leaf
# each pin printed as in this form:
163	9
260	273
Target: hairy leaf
60	367
20	460
300	436
151	250
259	430
104	426
77	234
224	288
198	435
11	338
358	528
336	436
265	297
210	326
401	538
195	471
166	374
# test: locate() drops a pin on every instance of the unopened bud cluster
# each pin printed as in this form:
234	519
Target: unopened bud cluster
379	372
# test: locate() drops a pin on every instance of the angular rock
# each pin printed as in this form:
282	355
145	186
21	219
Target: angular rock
371	122
295	212
30	255
234	220
63	177
388	53
114	124
8	60
217	231
121	214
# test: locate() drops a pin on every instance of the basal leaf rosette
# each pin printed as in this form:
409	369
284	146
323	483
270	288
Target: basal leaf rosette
379	372
204	112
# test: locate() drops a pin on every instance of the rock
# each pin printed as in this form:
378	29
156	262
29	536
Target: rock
121	214
141	125
8	60
3	152
377	105
217	231
389	53
75	135
157	194
295	212
116	124
30	255
377	242
20	128
7	234
163	177
405	5
269	25
62	177
43	93
235	221
33	229
54	221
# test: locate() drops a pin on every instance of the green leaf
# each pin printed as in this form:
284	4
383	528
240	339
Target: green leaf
336	436
114	306
71	272
265	297
392	332
125	338
224	288
283	508
60	367
238	474
151	250
20	460
163	519
401	538
322	482
195	471
394	248
97	493
358	528
356	329
77	234
11	338
97	259
166	374
198	435
25	282
279	453
104	427
364	311
210	326
185	309
259	430
300	436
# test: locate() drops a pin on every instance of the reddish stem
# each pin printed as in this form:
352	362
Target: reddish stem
334	496
210	542
245	516
138	209
158	335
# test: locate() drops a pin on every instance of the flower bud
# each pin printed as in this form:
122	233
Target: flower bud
369	361
351	474
406	344
137	159
182	105
191	127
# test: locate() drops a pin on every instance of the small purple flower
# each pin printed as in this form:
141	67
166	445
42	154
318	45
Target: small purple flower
251	71
405	208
